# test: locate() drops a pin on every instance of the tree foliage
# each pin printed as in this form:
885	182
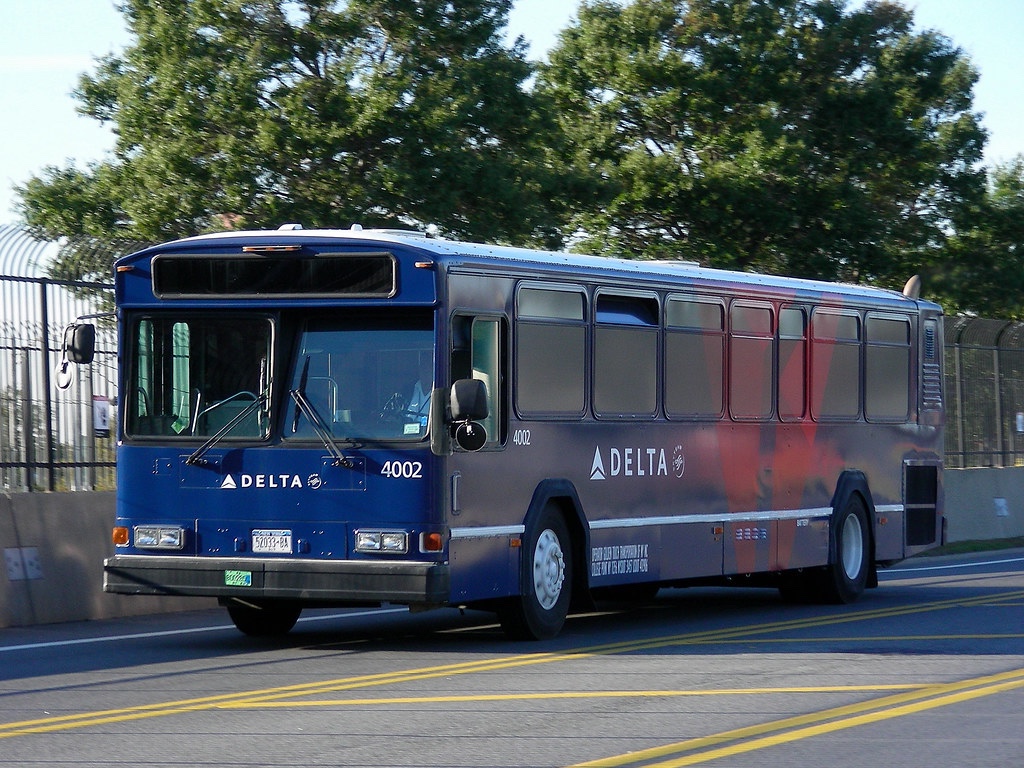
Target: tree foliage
801	137
234	113
788	136
984	269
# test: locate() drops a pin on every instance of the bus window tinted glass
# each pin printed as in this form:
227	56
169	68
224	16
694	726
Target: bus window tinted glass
751	376
694	358
626	355
792	364
550	369
887	369
365	379
553	304
625	371
835	365
192	376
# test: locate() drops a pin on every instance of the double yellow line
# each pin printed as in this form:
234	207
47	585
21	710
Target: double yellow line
754	737
287	695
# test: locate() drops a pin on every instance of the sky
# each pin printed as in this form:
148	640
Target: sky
46	44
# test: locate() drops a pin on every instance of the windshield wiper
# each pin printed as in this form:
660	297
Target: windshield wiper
306	408
197	456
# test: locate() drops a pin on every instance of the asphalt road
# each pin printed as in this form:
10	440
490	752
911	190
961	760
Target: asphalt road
927	670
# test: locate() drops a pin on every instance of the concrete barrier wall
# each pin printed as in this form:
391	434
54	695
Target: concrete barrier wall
984	504
54	545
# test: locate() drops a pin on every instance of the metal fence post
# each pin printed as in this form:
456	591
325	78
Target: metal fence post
27	421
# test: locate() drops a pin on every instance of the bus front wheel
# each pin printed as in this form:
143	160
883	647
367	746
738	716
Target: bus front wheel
269	619
539	611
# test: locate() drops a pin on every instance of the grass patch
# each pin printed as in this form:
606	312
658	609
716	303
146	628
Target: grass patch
962	547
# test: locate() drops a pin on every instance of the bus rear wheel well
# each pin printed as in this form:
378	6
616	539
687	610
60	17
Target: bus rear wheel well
851	550
854	483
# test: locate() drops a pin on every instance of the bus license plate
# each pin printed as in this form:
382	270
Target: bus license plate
273	542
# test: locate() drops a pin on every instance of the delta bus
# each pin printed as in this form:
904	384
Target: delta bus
358	417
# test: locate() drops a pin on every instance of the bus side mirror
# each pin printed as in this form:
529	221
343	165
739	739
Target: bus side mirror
79	348
80	343
469	405
469	400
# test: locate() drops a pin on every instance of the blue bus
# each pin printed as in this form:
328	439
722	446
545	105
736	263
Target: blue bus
357	417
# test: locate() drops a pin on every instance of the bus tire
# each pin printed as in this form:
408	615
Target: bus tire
539	612
845	578
271	619
847	574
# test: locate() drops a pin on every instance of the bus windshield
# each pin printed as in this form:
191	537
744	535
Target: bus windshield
192	376
363	380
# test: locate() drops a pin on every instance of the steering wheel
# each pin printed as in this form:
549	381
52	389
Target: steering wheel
395	410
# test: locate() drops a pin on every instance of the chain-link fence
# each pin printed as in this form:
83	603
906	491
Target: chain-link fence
984	392
62	440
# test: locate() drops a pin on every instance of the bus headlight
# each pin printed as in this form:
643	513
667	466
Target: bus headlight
159	537
392	542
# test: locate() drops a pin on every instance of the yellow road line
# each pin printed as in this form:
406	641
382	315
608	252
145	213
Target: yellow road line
550	695
815	724
64	722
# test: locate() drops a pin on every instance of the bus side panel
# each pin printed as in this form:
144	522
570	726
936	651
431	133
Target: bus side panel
800	543
628	556
483	567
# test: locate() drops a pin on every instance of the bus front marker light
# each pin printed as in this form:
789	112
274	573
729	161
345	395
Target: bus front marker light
431	542
120	536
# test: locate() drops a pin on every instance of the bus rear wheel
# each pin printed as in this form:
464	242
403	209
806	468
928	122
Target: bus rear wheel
539	612
270	619
847	575
844	579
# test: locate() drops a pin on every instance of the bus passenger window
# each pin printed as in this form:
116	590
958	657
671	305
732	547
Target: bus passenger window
887	369
694	358
751	362
835	365
551	343
792	394
626	356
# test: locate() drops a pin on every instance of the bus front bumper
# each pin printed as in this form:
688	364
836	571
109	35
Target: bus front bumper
341	581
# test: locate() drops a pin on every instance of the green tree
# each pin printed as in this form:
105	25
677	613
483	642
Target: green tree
231	113
985	271
789	136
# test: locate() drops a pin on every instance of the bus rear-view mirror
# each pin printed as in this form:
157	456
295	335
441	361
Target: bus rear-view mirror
80	343
469	400
79	348
468	406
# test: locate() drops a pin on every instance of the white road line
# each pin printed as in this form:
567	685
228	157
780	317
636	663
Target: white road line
192	631
383	611
953	566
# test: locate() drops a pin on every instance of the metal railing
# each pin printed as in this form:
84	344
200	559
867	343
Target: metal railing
61	440
51	440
